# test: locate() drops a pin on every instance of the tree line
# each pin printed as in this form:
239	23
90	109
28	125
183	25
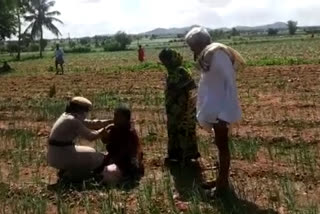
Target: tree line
37	14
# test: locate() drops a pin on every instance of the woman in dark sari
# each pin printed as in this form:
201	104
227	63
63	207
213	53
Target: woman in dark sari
180	109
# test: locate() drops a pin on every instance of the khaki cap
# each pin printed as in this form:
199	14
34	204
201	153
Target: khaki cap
82	101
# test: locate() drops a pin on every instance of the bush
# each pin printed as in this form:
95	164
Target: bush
292	26
123	39
218	34
79	49
12	47
272	32
112	45
34	47
85	41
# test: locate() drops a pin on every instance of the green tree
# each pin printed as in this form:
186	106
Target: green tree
217	34
235	32
272	31
85	41
123	39
41	16
293	27
7	19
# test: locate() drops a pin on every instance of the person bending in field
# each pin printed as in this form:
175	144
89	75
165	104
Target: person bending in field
124	158
180	109
59	59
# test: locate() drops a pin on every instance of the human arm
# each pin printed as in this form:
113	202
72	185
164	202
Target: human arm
86	133
97	124
106	135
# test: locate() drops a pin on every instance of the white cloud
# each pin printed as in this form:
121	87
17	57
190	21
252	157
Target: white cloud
92	17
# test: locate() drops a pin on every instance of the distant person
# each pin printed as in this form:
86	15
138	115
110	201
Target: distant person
124	157
218	104
180	109
141	54
74	161
59	59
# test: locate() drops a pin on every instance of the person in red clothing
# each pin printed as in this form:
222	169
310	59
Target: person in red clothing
124	158
141	54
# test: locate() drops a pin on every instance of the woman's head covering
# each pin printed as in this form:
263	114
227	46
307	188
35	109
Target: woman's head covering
198	35
170	58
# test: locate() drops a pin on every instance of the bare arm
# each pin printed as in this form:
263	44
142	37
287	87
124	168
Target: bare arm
97	124
88	134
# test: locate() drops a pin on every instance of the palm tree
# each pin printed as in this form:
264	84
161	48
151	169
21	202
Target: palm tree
40	16
21	6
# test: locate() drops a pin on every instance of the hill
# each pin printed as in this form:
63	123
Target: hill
183	30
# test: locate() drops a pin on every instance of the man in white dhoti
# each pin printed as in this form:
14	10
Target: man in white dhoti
217	104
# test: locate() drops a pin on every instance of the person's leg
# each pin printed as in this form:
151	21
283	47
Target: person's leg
174	151
57	71
221	130
84	161
62	70
188	141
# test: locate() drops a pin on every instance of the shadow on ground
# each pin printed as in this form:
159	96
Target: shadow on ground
91	184
188	182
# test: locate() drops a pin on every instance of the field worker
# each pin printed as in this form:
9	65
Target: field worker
141	54
59	59
181	111
217	104
72	160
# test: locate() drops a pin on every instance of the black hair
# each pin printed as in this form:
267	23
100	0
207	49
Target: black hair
124	110
76	108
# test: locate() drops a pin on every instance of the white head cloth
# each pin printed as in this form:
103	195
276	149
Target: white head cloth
198	35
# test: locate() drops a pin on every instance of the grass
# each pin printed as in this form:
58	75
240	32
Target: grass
275	149
266	52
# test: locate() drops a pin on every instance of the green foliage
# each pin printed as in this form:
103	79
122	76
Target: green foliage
78	49
272	31
235	32
85	41
123	39
72	44
118	42
12	47
218	34
8	20
39	16
292	26
112	45
34	47
153	37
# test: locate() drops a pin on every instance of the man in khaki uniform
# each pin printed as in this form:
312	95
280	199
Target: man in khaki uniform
63	154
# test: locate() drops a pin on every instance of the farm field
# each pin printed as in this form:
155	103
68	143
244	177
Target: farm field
275	148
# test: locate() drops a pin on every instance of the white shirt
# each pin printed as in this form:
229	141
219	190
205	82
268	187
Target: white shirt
217	93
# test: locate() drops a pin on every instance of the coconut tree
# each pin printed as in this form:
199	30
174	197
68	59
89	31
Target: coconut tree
39	16
21	6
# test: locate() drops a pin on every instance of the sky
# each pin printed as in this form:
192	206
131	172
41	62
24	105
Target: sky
100	17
